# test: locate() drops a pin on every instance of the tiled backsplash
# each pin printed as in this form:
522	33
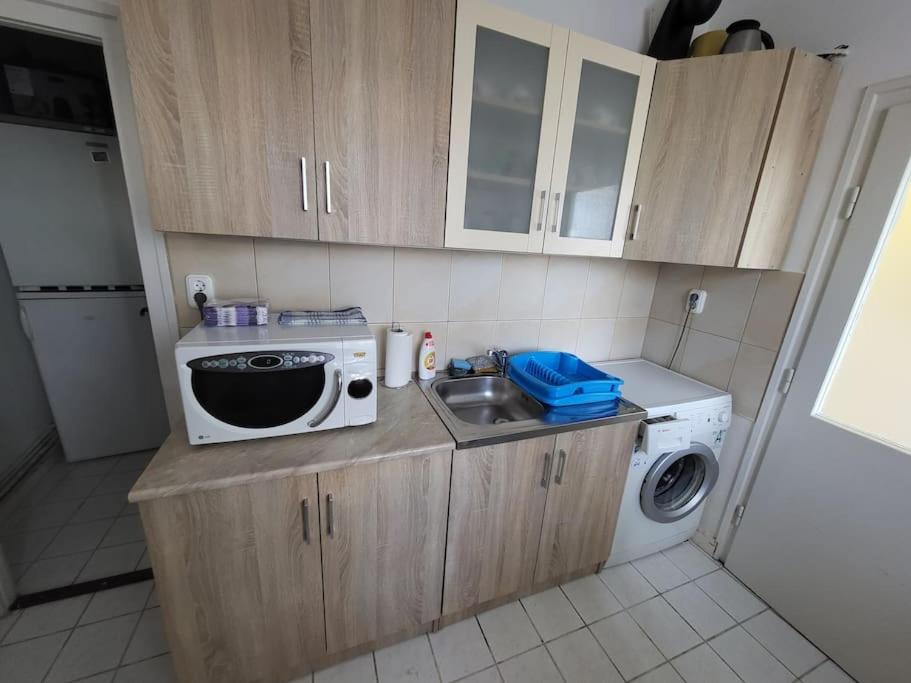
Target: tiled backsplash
733	345
597	308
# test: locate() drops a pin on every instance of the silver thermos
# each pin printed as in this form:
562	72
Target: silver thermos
746	36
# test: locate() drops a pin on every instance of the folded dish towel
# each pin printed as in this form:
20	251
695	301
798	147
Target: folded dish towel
345	316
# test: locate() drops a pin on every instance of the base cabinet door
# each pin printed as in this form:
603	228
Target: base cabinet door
583	501
496	506
383	538
238	574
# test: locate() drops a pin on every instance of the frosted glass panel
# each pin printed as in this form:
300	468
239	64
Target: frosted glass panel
604	114
510	75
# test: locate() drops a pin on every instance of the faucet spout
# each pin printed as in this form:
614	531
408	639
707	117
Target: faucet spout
501	359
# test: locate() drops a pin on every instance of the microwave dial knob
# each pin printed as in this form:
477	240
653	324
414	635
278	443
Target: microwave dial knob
321	359
312	358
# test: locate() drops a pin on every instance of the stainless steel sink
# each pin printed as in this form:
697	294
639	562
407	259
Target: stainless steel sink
488	409
487	400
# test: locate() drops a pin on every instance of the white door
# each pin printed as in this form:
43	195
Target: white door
606	92
826	534
506	85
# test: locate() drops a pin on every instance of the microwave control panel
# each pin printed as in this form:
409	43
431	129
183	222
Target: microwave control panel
261	361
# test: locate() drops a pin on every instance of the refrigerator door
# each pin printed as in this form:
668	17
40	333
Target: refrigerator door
97	361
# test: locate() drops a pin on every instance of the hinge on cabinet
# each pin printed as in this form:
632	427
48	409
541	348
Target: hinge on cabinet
738	514
853	194
786	378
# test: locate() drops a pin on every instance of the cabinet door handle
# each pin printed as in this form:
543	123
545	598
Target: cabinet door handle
634	219
305	204
553	228
328	187
545	475
330	521
305	515
561	463
542	210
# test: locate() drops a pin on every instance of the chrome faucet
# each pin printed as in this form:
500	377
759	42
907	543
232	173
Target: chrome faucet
500	358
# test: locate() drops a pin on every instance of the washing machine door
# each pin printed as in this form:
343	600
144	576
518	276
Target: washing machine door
678	482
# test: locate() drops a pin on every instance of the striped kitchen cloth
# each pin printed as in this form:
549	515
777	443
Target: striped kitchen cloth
344	316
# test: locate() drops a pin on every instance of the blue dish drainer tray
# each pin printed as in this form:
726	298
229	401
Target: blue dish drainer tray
562	379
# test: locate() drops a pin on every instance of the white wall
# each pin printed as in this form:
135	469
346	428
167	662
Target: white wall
876	30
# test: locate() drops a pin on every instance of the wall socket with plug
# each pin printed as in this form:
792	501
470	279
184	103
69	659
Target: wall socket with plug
199	283
701	296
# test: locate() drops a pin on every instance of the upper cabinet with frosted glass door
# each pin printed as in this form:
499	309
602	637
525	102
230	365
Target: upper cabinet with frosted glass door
546	131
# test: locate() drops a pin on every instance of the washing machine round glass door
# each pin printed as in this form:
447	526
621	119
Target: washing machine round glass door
678	482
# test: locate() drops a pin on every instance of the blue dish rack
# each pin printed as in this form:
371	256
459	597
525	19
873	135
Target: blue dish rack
561	379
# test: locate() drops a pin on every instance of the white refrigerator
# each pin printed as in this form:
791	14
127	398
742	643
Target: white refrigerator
67	237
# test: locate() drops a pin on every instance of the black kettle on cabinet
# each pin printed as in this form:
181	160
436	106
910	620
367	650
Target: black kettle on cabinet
746	36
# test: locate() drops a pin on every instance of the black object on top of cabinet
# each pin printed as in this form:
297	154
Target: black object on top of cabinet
746	36
675	30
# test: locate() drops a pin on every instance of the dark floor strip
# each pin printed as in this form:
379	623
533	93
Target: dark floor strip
71	591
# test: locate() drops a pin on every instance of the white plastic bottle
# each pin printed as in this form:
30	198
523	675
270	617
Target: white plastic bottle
427	358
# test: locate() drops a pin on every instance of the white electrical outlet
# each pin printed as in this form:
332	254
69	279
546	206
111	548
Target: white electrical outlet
199	283
701	296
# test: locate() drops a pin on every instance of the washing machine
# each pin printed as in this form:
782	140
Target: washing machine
674	465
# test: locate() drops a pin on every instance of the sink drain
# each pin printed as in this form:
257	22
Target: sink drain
500	421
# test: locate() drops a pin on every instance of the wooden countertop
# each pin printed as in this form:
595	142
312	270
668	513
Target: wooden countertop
406	424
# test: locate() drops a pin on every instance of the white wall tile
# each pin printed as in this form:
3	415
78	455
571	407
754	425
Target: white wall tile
604	288
522	287
559	335
730	293
469	339
709	358
564	290
474	290
517	336
660	339
674	283
750	377
421	285
629	337
379	333
291	274
638	289
362	276
595	338
772	306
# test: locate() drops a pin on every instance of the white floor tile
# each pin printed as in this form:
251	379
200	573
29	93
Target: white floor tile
116	602
124	530
92	649
736	600
749	660
665	627
691	560
491	675
660	572
703	665
827	673
73	489
627	584
792	649
47	516
105	677
133	462
117	482
7	623
508	630
627	645
145	562
360	670
408	661
100	507
532	667
148	640
158	670
77	538
90	468
29	661
581	660
700	611
591	598
153	597
460	650
663	674
552	614
57	571
110	561
50	617
27	547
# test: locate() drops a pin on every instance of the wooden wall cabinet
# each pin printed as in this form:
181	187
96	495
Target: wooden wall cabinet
294	118
729	145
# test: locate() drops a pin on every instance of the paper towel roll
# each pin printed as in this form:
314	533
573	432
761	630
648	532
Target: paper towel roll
398	357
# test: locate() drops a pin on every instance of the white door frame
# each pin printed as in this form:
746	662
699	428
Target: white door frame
877	99
98	21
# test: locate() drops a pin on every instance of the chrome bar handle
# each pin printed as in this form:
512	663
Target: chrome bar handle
561	463
637	212
328	169
545	475
305	515
330	517
306	200
542	210
330	406
553	228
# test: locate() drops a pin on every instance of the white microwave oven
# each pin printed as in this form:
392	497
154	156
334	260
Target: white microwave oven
241	383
